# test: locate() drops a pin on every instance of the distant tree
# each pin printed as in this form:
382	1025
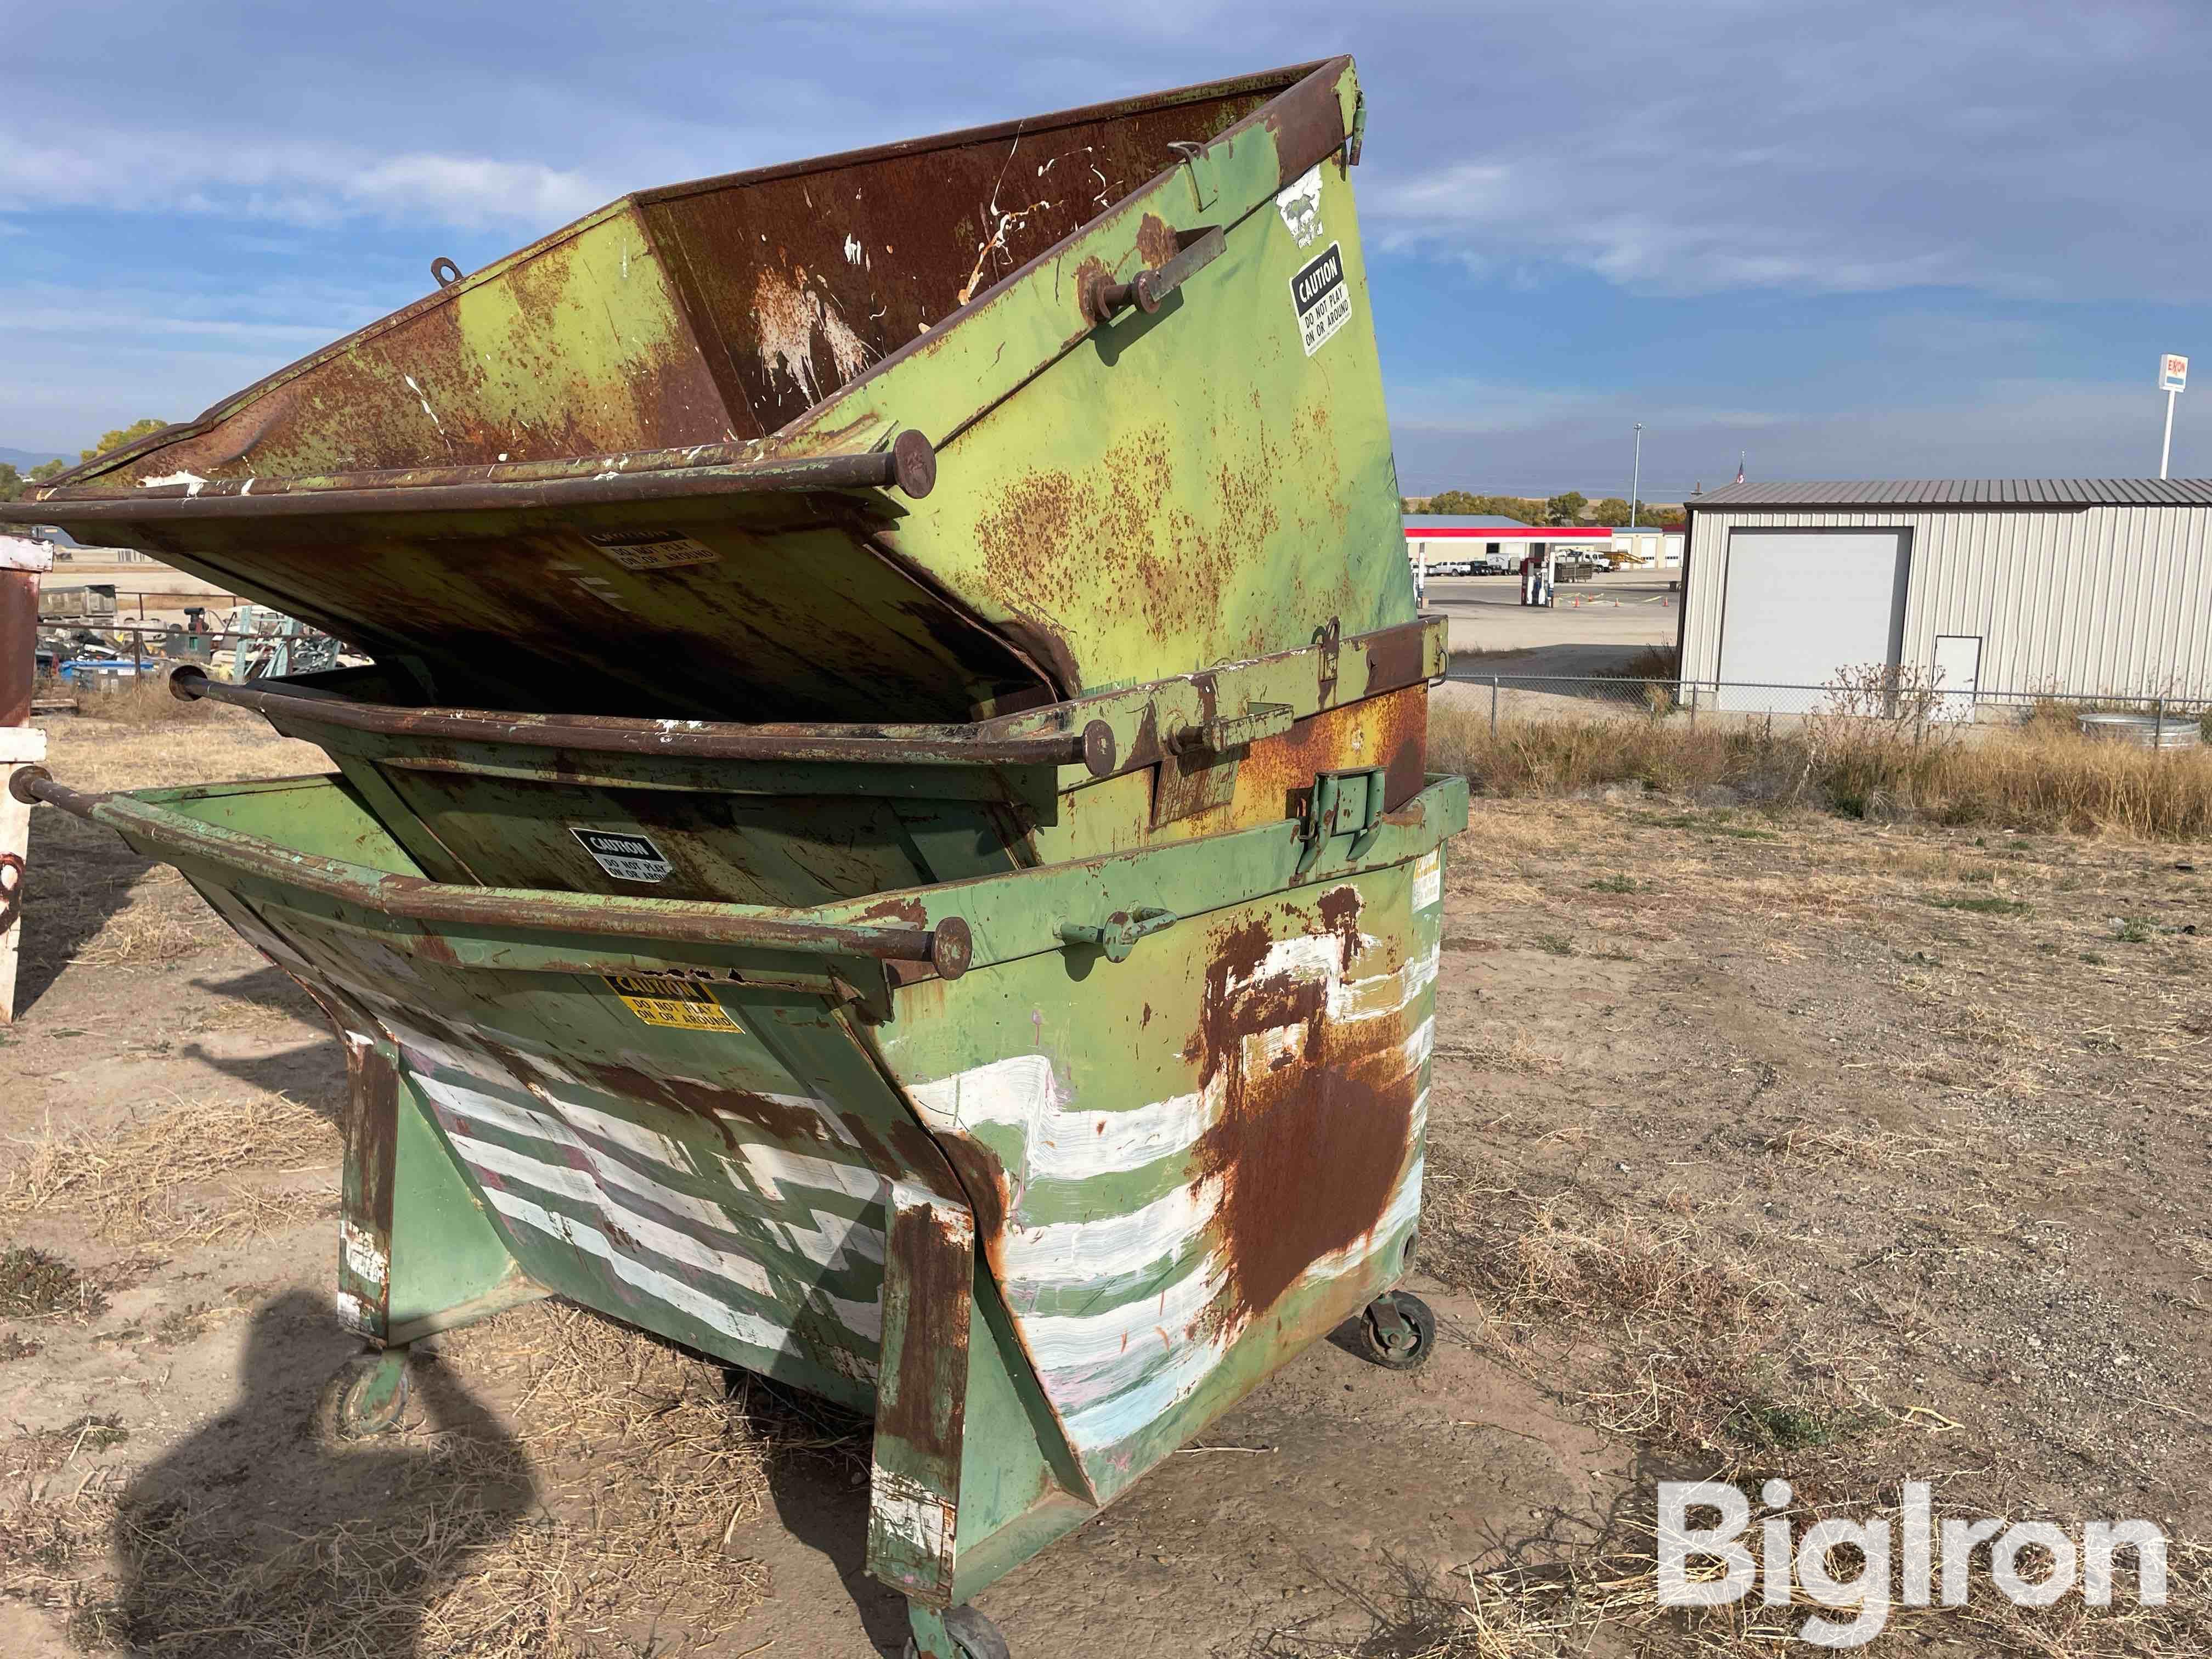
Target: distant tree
45	469
131	434
1565	509
1668	518
1454	500
1611	511
11	483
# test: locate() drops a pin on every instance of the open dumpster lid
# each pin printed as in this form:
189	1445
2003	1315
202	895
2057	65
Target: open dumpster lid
768	445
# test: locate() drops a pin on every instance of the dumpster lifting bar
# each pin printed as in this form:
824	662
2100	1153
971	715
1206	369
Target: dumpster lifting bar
947	947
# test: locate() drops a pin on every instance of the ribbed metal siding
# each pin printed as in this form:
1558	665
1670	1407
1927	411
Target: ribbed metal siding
2110	601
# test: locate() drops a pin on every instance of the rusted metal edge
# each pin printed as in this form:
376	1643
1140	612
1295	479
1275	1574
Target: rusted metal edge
946	947
908	464
1281	80
611	734
1057	736
1302	139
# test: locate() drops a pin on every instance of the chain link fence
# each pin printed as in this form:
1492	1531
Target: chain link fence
2168	721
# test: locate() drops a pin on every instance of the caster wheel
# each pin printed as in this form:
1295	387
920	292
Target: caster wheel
969	1634
1398	1331
365	1396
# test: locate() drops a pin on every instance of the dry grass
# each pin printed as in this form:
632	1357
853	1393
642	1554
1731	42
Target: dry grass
1607	1602
2028	779
1662	1338
144	701
210	743
162	920
632	1469
1511	1053
149	1182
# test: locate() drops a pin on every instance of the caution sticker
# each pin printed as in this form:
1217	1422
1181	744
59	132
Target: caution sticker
1323	301
624	854
665	999
651	549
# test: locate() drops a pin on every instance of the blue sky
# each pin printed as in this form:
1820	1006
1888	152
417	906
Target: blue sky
1880	240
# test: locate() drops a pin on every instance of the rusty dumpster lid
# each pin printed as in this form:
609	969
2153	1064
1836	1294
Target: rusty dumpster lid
678	458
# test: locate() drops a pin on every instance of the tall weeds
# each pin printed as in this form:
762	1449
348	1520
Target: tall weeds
2044	776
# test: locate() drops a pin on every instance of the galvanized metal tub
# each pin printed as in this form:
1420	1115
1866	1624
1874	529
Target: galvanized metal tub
1046	1168
937	432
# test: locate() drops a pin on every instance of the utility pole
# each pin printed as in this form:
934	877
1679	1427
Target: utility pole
1636	478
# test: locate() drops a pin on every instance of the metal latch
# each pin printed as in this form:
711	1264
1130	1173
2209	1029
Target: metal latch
1342	803
1259	719
1119	934
1199	165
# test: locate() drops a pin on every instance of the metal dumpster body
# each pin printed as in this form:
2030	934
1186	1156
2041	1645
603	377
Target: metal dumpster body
1044	1213
648	466
794	815
886	837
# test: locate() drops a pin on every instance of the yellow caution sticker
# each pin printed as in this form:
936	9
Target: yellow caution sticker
665	999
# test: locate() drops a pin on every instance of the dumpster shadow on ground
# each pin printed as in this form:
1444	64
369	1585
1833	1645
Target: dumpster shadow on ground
818	1472
77	877
251	1537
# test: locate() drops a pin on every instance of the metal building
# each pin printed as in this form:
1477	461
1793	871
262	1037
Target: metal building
2092	586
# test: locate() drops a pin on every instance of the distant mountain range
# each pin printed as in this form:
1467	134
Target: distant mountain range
24	459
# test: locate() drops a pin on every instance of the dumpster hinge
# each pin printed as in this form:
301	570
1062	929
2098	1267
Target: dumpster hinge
1357	137
1346	802
1329	636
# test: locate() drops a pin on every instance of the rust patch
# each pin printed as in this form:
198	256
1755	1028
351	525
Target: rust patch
1277	773
1156	242
1313	1131
372	1135
924	1409
906	912
437	947
1396	657
983	1178
1339	911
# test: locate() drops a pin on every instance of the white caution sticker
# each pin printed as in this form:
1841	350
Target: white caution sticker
665	999
651	549
1322	298
624	854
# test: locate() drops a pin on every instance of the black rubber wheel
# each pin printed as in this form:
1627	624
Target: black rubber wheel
1411	1349
345	1411
973	1633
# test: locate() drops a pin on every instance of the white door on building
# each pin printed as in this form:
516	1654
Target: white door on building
1801	607
1956	671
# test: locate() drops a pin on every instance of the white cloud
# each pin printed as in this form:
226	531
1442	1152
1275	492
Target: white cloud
307	183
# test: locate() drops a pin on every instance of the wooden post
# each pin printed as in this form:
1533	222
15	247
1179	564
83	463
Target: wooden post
21	744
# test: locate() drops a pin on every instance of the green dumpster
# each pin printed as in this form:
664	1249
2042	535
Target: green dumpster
938	1154
886	837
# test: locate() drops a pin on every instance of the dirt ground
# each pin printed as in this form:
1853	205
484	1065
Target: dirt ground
1759	1145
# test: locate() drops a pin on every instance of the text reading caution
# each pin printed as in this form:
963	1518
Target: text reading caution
624	856
1323	301
651	549
665	999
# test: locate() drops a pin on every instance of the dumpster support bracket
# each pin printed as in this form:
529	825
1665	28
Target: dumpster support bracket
913	1490
415	1253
